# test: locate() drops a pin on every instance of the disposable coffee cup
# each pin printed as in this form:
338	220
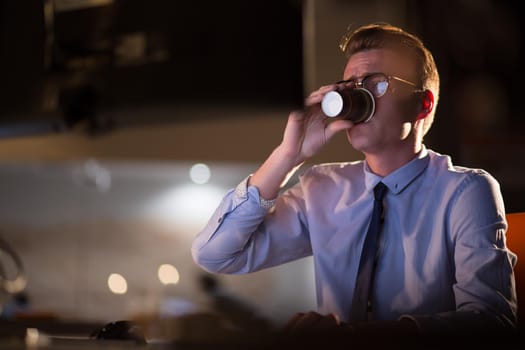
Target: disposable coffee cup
354	104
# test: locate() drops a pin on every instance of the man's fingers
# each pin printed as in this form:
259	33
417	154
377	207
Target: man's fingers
291	323
311	321
304	322
317	96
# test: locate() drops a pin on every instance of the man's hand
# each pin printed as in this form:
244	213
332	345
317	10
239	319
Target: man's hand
308	130
312	329
315	322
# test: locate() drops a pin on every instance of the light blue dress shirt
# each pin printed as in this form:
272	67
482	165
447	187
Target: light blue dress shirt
443	258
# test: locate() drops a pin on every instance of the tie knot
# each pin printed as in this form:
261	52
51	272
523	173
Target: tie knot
380	191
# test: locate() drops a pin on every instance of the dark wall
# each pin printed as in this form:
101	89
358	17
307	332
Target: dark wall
478	47
77	64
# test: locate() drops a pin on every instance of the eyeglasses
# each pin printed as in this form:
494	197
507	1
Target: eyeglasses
376	83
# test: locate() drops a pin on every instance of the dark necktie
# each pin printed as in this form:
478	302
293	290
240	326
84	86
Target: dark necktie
365	274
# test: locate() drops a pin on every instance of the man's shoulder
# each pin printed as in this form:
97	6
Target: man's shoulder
335	168
443	167
327	177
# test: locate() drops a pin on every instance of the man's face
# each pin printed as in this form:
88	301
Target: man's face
391	125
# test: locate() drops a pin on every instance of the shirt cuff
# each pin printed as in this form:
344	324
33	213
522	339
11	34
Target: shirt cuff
241	193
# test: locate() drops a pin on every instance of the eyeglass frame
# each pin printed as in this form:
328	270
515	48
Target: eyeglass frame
360	84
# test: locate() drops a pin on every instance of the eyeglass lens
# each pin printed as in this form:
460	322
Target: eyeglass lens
377	84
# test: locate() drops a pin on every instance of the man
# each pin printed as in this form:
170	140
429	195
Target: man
439	260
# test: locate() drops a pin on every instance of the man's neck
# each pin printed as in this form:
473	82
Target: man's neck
387	161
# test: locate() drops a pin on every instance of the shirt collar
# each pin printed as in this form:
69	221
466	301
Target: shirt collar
402	177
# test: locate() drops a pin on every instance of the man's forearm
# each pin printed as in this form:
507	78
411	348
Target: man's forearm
273	174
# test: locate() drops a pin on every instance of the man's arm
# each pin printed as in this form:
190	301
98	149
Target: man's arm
240	237
484	290
244	235
306	132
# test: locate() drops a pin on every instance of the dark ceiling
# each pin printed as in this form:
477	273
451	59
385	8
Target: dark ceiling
61	66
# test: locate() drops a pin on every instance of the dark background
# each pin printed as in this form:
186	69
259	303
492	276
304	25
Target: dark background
478	47
77	66
72	66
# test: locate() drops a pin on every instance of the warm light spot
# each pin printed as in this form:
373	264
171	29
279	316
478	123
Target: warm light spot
200	173
117	284
168	274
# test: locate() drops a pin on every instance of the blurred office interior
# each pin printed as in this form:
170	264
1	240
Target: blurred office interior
124	122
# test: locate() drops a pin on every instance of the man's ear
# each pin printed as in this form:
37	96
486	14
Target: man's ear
425	105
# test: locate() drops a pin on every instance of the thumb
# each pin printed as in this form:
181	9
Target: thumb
337	126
